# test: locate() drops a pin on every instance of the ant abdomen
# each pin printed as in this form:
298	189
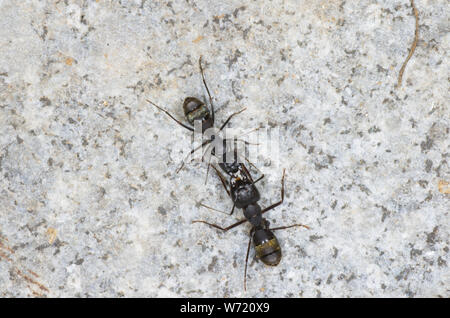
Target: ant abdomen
267	247
195	109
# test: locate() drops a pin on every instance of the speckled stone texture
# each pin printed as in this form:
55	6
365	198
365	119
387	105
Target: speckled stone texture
90	201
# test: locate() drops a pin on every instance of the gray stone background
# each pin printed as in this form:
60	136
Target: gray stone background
90	201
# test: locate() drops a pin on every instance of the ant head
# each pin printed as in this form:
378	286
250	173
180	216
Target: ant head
229	160
195	109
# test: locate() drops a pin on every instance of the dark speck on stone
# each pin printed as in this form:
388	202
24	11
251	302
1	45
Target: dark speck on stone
162	211
364	189
403	274
431	237
236	11
79	261
319	166
428	165
373	129
351	277
45	101
415	252
427	144
441	262
333	205
335	252
237	54
212	264
423	183
330	159
313	238
329	279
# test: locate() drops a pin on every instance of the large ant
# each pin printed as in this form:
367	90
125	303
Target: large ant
242	189
245	196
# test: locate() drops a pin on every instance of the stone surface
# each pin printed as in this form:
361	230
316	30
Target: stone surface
90	201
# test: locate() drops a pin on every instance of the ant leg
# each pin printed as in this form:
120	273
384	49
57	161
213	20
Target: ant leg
208	207
244	168
248	132
224	183
282	196
259	179
247	173
262	174
207	171
229	118
232	210
222	178
246	260
219	227
286	227
237	138
210	224
206	86
192	151
209	162
179	122
204	153
248	143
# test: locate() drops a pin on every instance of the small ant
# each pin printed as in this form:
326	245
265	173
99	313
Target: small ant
196	110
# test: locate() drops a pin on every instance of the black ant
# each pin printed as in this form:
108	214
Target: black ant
245	195
196	110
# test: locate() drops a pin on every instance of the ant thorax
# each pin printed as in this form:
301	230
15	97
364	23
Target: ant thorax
239	178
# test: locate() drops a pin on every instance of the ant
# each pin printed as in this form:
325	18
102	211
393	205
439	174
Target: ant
245	196
243	191
197	110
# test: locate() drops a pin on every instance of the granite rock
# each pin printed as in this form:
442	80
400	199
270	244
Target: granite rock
92	205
